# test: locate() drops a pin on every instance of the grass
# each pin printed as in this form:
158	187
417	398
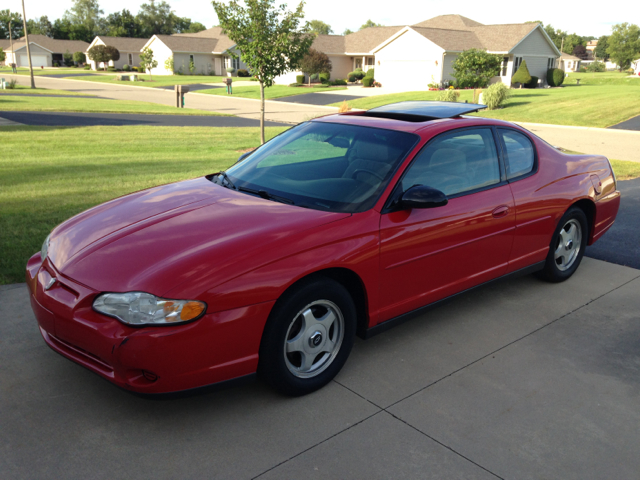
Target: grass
277	91
602	78
153	80
589	105
91	104
46	71
23	89
626	170
41	186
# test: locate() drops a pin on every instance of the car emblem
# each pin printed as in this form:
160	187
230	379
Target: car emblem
51	283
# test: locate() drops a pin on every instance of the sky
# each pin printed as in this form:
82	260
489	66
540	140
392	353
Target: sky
588	17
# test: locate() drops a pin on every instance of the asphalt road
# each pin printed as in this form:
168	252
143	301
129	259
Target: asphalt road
621	244
631	124
317	98
193	87
82	119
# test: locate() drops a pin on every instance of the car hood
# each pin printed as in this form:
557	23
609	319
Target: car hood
159	238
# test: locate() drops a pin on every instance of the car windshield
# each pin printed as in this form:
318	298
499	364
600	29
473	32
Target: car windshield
325	166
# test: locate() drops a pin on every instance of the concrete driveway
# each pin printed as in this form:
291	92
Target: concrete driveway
517	380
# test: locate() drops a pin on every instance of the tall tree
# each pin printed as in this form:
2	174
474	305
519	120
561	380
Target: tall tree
156	18
320	28
474	68
3	56
347	31
269	37
86	13
624	44
556	35
580	51
370	23
195	27
17	29
601	49
570	42
65	29
41	26
147	62
122	24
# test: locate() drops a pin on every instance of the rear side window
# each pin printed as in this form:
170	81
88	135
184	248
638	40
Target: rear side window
519	153
456	162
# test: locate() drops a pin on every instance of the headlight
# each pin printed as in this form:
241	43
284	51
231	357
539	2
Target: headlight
45	248
139	308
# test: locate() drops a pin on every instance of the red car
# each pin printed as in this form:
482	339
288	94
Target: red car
344	225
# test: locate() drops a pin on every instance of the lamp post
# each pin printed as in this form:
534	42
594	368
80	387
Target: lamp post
26	38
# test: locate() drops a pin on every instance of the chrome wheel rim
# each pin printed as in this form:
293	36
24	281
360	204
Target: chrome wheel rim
313	339
568	246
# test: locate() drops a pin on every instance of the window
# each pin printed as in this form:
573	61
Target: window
232	62
516	64
551	63
191	59
505	62
130	59
520	154
370	61
456	162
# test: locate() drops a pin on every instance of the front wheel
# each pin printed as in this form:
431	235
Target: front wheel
308	337
567	246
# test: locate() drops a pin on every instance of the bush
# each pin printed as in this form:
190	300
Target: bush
55	64
243	73
367	81
253	79
296	84
533	83
370	73
79	57
230	70
315	78
339	81
359	74
87	67
11	84
126	68
582	70
324	77
522	76
475	68
111	69
555	77
596	67
495	95
135	69
300	78
448	95
351	78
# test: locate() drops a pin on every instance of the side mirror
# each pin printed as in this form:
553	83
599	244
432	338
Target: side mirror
422	196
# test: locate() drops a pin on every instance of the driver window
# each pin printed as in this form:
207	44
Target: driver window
456	162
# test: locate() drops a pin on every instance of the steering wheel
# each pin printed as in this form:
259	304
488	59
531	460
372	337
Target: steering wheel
360	170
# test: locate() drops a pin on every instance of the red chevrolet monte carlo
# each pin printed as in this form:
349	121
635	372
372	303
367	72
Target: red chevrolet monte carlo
344	225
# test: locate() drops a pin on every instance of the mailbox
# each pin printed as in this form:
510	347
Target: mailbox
180	91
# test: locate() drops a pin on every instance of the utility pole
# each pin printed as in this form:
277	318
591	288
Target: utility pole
26	38
561	44
13	54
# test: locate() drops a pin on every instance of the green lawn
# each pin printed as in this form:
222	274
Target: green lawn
276	91
45	71
41	186
583	105
23	89
153	80
91	104
603	78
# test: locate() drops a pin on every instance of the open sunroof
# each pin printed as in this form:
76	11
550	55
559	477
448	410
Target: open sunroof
422	111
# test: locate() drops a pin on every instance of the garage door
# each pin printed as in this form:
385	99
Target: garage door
399	74
36	60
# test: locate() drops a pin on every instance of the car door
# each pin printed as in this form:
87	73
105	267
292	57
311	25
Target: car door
430	254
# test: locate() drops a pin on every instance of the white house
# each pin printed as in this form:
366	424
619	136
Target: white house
129	49
45	51
569	63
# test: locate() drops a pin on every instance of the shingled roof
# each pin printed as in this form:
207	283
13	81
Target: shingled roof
365	40
224	42
55	45
181	43
449	22
124	44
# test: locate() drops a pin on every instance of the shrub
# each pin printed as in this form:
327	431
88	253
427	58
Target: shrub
315	78
495	95
230	70
555	77
134	68
297	84
582	70
253	79
596	67
368	81
324	77
533	83
243	73
351	77
475	68
55	64
87	67
448	95
522	76
299	78
370	73
111	69
339	81
126	68
359	74
11	84
79	57
344	107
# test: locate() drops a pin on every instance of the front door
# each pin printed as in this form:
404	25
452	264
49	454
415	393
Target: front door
429	254
358	63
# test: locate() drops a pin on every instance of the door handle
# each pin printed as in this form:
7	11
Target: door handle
500	211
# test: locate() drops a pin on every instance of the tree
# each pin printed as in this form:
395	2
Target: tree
113	53
474	68
41	26
570	42
601	49
347	31
269	38
122	24
195	27
79	57
315	62
3	56
103	54
86	13
522	75
624	44
370	23
17	30
156	18
65	29
320	28
556	35
68	58
147	62
580	51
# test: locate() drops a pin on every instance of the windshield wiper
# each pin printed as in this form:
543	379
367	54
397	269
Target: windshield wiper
224	175
266	195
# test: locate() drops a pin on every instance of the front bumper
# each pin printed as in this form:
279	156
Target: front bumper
218	347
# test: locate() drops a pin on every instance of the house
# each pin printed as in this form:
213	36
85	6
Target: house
45	51
569	63
129	49
205	52
636	66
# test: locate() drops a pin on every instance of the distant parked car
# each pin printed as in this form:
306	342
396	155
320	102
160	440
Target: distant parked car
343	225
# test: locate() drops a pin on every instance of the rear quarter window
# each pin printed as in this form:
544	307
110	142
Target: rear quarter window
520	155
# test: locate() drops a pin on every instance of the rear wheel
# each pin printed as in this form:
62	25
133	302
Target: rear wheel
308	337
567	246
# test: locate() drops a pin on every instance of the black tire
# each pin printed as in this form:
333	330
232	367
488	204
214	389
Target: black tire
320	299
554	270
